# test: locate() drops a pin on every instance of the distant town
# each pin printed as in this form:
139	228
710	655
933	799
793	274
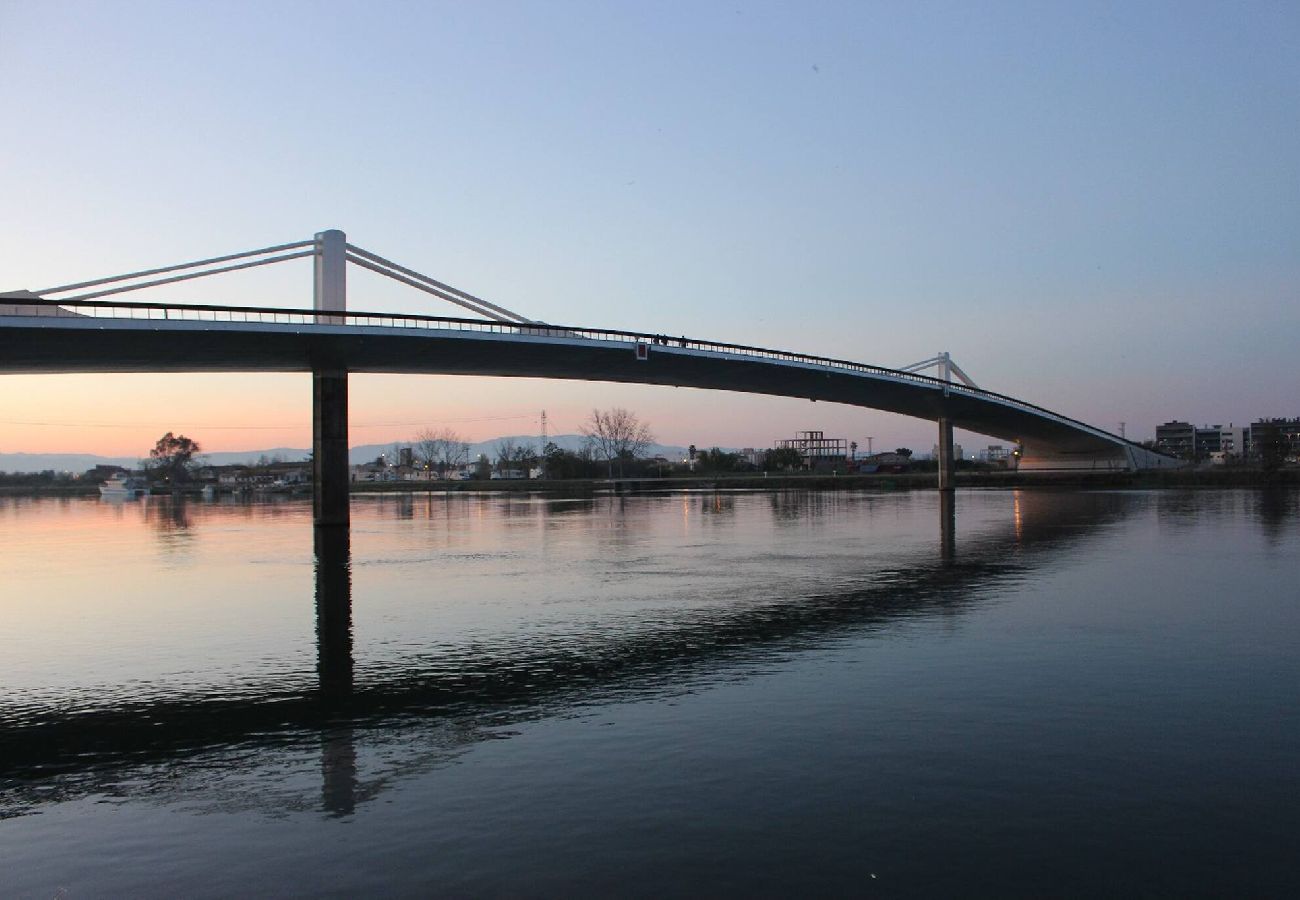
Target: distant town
1262	441
625	450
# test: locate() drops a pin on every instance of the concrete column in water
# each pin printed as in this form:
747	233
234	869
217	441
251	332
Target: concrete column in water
330	388
334	667
947	465
330	445
947	526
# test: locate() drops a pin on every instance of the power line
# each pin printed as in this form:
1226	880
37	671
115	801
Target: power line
193	425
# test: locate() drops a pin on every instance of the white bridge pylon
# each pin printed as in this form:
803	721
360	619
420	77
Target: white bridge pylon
331	252
947	368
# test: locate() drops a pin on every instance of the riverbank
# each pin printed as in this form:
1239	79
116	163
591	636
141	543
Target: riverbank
49	490
1179	478
1146	480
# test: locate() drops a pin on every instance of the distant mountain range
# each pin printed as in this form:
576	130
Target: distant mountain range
80	462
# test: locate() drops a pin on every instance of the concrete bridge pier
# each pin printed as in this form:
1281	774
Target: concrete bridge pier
329	445
947	465
329	381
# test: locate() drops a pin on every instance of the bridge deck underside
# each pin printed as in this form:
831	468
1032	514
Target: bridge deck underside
102	345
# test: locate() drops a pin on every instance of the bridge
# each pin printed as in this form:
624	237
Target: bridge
82	332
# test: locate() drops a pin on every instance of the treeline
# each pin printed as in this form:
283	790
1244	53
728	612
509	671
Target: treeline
46	478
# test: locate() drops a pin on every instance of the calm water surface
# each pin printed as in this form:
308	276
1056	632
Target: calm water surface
1043	693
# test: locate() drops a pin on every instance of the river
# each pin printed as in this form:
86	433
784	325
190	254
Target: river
1029	693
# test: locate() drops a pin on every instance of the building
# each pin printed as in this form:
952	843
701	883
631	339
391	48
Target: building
817	450
885	463
103	472
372	471
957	452
1234	441
1213	442
1176	439
1287	429
1207	440
1222	444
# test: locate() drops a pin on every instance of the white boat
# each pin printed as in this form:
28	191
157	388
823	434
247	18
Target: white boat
123	487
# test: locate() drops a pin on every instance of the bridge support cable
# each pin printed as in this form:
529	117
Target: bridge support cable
946	366
186	277
329	248
377	263
411	282
181	267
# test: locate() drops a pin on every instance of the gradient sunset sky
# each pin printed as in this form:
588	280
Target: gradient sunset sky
1093	206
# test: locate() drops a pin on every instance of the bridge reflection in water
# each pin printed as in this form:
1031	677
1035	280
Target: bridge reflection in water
334	666
65	756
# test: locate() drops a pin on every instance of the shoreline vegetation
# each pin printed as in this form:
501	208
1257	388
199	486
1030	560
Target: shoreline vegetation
1144	480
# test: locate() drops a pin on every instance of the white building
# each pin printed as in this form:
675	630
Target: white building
1233	440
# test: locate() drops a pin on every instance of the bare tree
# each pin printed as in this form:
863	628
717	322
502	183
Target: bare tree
525	457
616	434
506	449
512	455
441	450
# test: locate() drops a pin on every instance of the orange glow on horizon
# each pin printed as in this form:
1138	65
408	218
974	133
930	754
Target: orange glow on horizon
122	415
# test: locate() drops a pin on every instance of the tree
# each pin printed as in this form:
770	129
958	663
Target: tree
782	458
716	460
616	434
441	450
170	457
560	463
903	451
514	456
1270	445
524	458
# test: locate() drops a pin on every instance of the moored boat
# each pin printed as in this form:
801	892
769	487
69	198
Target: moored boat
123	487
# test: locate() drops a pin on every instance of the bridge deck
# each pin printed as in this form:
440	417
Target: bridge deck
116	337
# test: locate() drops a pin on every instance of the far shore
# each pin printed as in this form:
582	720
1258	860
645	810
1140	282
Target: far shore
1146	480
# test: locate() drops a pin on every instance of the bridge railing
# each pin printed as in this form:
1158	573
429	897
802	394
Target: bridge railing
266	315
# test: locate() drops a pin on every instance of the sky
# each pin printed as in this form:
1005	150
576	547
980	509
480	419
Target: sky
1094	207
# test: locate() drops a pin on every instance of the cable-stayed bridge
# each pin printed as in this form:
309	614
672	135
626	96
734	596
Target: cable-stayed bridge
76	328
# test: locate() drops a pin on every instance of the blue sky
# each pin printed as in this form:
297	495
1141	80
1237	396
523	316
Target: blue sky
1095	207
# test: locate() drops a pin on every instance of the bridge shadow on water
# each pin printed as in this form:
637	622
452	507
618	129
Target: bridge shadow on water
430	708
